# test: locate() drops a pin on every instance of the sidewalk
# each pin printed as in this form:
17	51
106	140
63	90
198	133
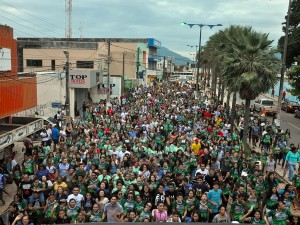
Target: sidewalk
11	189
279	170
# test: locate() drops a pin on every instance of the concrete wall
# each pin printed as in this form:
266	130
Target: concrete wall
82	50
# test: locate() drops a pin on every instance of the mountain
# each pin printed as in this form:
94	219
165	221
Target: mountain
179	59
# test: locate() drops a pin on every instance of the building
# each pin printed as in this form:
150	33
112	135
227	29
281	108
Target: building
135	58
132	62
16	93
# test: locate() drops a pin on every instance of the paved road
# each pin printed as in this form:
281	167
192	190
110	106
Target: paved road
287	121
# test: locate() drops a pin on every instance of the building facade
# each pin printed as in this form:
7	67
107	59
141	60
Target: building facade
16	93
131	62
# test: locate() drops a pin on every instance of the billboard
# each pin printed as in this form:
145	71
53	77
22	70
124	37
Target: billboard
84	78
115	84
5	59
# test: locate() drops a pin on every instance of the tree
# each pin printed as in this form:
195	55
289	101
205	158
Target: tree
294	80
293	49
249	65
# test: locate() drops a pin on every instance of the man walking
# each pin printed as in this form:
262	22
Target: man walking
292	158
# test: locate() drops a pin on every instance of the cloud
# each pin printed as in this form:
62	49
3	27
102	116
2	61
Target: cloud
141	19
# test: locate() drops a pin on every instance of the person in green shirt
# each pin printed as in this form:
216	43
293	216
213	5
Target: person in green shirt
36	208
96	214
204	209
266	141
72	210
257	219
129	204
238	208
279	215
28	165
93	184
272	198
179	206
51	209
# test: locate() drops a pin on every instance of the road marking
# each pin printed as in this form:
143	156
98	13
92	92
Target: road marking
294	126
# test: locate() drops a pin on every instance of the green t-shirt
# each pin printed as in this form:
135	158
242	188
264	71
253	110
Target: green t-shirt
50	207
253	221
271	202
128	205
72	212
279	217
203	210
29	166
180	207
296	179
95	216
237	210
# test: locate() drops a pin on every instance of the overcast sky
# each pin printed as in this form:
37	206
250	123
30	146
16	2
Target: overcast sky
159	19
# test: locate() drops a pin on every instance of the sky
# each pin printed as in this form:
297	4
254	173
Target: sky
158	19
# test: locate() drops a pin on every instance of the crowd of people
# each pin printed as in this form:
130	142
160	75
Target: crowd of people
159	154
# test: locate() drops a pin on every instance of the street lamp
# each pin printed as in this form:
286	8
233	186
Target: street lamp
193	55
192	46
67	102
199	49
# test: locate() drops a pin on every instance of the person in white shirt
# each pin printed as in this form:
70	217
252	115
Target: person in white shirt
44	136
203	171
123	153
78	197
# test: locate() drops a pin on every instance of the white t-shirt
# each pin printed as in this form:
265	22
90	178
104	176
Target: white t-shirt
78	198
203	172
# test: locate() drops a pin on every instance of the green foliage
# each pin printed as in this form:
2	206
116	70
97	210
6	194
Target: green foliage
293	48
248	64
294	80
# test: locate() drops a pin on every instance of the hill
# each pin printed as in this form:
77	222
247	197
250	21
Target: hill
179	59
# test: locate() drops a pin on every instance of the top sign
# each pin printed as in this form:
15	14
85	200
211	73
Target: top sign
84	78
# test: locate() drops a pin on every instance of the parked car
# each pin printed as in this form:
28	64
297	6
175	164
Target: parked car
48	120
289	106
297	113
267	104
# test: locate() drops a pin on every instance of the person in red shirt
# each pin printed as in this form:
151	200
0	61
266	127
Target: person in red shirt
206	114
109	111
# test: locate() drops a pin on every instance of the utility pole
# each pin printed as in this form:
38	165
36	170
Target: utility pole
283	66
164	69
108	76
138	63
67	102
123	74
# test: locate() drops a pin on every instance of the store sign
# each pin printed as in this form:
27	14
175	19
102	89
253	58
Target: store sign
115	86
78	79
84	78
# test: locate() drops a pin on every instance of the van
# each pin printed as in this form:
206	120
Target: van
265	104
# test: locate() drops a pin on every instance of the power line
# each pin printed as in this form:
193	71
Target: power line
31	14
29	21
26	26
20	80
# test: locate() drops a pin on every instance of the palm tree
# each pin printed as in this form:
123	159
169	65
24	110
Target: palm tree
249	65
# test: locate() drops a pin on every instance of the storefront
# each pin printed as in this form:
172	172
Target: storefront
82	83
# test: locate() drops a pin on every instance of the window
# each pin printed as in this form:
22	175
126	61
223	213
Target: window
34	63
85	64
52	64
267	102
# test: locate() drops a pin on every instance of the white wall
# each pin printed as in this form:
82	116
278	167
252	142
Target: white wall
50	88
